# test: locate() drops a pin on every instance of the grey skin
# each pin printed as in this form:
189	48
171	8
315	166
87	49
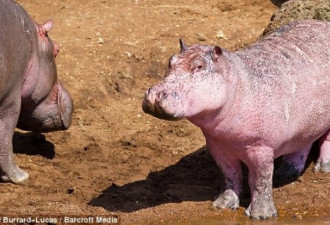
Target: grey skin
31	96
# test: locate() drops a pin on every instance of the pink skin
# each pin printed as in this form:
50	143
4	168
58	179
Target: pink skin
323	163
31	96
253	106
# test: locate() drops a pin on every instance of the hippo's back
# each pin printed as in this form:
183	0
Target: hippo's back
294	46
289	77
15	44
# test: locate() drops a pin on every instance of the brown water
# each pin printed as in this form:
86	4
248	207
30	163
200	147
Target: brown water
208	221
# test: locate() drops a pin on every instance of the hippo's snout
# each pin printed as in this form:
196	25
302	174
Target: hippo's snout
158	104
153	98
149	102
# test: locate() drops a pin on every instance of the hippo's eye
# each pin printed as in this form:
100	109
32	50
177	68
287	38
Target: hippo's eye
198	64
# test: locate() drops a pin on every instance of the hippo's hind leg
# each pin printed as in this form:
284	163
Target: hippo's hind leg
9	171
292	165
323	162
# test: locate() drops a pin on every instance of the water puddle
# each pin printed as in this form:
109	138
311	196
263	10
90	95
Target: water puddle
208	221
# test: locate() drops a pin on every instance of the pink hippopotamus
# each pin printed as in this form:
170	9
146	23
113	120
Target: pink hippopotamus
31	96
253	105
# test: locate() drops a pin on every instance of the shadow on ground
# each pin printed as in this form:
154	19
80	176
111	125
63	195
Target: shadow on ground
33	144
195	177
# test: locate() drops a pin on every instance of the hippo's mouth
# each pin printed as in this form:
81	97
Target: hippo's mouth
52	114
65	104
158	111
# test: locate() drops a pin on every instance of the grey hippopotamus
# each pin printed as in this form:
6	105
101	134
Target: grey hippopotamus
31	96
253	105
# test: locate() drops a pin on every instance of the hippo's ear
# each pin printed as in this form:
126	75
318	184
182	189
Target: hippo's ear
47	26
183	46
217	52
43	29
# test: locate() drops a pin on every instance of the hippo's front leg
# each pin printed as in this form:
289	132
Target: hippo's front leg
232	170
260	162
10	172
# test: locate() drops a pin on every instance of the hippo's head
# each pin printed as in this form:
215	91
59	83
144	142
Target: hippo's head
46	104
195	84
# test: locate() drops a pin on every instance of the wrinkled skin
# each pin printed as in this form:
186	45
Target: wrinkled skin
254	105
31	96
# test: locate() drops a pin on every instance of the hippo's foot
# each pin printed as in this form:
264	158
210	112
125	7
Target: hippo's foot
16	176
228	199
322	166
261	210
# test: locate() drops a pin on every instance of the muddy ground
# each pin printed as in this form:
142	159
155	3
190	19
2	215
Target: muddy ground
115	159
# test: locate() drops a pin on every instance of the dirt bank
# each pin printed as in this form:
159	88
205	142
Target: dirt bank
115	159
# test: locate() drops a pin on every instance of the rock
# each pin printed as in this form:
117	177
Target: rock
278	2
100	40
298	10
220	35
71	190
200	37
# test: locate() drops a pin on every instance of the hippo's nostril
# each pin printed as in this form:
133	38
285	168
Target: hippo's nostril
161	95
148	91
